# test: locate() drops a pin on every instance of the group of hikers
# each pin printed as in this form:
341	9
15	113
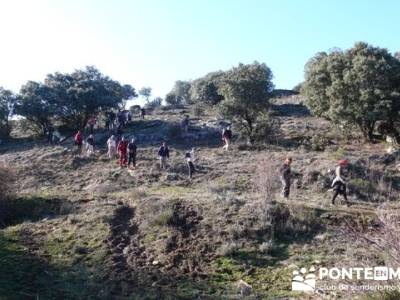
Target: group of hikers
119	146
339	186
126	150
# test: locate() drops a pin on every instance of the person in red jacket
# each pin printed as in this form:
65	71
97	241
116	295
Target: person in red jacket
79	141
122	149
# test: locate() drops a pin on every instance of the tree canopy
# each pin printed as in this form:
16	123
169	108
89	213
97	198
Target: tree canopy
145	92
206	89
7	103
246	90
358	86
71	98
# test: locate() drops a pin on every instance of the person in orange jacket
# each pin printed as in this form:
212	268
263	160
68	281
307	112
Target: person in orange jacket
78	141
122	151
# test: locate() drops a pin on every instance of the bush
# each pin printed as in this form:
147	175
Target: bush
5	131
228	249
264	128
155	103
174	131
316	142
267	177
198	110
6	191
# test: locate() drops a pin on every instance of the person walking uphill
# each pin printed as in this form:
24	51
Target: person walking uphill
163	154
339	183
132	153
285	174
122	149
112	146
189	156
90	145
78	141
185	124
226	137
91	123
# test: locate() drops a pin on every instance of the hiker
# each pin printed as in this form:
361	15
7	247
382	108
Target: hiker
185	124
226	137
163	154
111	120
49	134
285	174
142	112
189	156
112	146
122	148
132	153
57	137
90	145
339	183
92	122
129	117
121	119
78	141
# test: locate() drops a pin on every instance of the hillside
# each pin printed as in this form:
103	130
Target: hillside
86	229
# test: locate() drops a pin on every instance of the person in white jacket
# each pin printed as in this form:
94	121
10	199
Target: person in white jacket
112	147
339	183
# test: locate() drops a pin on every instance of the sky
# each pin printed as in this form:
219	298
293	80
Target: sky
154	43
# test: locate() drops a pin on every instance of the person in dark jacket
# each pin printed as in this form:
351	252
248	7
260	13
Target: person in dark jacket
226	137
163	154
185	124
339	183
49	134
132	153
142	112
285	174
189	160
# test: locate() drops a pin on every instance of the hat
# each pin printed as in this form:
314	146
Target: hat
343	162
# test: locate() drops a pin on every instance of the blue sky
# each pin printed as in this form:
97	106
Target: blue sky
153	43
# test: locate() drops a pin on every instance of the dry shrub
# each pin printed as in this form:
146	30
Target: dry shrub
382	233
266	178
6	183
7	180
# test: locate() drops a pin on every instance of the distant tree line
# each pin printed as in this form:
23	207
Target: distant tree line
66	98
356	87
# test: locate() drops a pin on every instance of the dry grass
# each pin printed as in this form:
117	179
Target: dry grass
267	177
6	182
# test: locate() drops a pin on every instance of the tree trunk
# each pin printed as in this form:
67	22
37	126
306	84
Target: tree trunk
367	128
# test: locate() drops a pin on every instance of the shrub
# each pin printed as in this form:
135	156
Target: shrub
266	177
6	182
6	191
198	110
228	249
174	131
267	247
264	128
316	142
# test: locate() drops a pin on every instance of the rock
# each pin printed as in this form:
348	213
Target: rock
244	287
171	177
100	188
155	262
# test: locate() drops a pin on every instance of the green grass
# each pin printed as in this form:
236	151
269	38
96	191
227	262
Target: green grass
57	270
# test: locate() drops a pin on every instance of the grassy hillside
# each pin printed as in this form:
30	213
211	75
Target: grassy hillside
83	228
